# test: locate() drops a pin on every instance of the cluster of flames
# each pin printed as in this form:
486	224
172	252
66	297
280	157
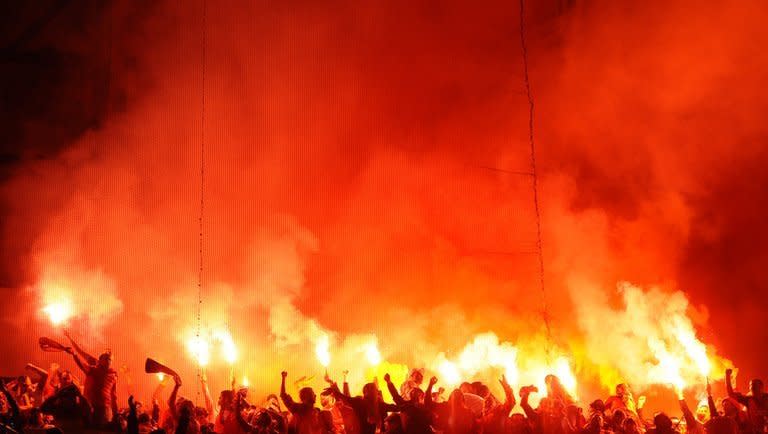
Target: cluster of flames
679	358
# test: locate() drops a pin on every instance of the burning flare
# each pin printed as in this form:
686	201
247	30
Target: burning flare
228	347
372	354
59	312
323	351
199	348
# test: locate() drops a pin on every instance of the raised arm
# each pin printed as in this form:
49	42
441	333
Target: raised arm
207	392
244	425
345	385
83	366
428	393
133	418
287	400
509	395
88	358
731	392
690	419
48	389
156	395
172	398
393	390
529	411
711	401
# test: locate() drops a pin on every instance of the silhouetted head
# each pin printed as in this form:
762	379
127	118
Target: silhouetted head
105	360
730	408
417	376
630	426
553	384
186	408
663	423
272	403
482	390
456	397
65	378
327	400
757	387
702	413
226	399
417	395
466	388
617	418
263	420
143	419
201	414
370	391
597	406
393	423
307	396
621	389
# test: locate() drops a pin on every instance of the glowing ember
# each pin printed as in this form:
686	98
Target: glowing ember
59	312
160	376
323	351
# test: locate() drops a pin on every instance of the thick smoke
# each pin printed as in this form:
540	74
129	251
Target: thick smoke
350	192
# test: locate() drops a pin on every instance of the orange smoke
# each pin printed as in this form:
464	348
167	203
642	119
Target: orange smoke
364	184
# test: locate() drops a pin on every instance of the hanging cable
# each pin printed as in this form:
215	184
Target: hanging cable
535	179
202	206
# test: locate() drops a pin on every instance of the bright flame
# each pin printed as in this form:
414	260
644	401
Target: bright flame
228	348
449	372
693	347
200	350
245	382
667	371
372	354
323	351
160	376
58	312
562	369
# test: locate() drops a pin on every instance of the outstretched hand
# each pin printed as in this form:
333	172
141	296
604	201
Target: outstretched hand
432	381
327	378
387	378
177	380
284	374
503	381
131	403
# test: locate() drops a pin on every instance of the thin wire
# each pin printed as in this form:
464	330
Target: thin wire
534	177
202	205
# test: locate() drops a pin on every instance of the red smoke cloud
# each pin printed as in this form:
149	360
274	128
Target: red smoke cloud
347	188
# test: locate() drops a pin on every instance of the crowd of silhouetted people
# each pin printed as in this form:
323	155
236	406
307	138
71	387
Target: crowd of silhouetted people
53	400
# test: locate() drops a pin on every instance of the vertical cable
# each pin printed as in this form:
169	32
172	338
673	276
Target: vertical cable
534	177
202	205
